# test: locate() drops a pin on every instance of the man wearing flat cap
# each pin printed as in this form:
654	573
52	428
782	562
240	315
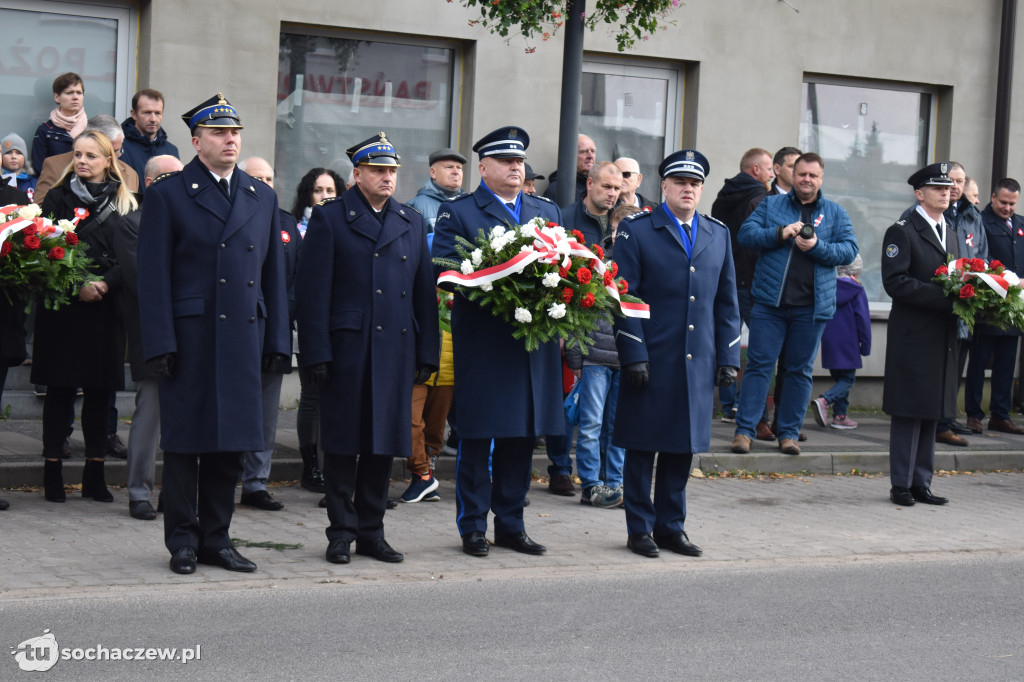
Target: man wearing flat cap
921	371
501	391
680	263
211	271
444	184
800	238
368	330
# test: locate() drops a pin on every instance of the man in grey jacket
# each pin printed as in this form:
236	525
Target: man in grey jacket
445	183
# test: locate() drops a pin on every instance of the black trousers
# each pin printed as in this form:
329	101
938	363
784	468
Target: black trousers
60	403
357	495
199	498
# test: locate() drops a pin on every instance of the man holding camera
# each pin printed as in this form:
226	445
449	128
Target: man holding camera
801	238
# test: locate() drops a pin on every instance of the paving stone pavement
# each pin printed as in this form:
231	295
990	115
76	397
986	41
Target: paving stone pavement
83	546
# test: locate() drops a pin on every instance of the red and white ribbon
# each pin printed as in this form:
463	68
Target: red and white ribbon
997	283
547	248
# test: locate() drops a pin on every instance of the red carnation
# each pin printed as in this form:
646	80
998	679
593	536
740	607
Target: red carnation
567	294
967	291
615	269
579	236
31	242
587	301
977	265
550	224
584	275
996	265
5	249
56	253
608	279
598	250
941	270
623	286
30	230
450	303
562	272
70	238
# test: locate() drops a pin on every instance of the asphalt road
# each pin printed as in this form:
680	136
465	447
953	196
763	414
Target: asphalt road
945	616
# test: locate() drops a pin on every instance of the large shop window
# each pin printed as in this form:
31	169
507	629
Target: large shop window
45	39
631	109
872	137
335	91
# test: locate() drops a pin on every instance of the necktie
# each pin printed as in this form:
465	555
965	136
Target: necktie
225	186
1009	225
686	226
511	205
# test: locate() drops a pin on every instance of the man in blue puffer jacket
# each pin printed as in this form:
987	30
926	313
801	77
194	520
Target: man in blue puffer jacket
794	291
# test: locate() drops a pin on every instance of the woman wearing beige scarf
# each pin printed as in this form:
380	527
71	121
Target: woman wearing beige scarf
66	121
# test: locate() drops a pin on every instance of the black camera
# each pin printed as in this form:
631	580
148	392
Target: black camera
806	231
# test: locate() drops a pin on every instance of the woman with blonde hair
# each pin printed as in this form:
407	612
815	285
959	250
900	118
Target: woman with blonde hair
82	344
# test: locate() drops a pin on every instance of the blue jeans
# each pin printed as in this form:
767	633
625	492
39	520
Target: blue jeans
729	396
770	329
599	394
839	395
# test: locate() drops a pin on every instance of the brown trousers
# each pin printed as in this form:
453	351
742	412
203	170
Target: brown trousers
430	405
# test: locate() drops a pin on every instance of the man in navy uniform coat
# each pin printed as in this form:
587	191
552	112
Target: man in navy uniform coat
211	274
921	370
368	329
501	391
680	263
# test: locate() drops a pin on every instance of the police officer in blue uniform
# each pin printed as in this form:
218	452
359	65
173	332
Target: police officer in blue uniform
501	391
368	329
680	263
211	274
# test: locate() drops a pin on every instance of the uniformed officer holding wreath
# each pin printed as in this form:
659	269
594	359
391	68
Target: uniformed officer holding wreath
680	263
366	310
921	371
215	311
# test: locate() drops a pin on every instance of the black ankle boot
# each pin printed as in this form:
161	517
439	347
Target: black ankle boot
53	480
94	483
312	478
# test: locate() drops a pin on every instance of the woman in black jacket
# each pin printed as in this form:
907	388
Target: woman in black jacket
82	344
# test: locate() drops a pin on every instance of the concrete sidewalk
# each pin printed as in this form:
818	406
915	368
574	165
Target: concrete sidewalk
827	451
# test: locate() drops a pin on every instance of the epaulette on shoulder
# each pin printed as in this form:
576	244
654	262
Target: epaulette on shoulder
638	214
716	221
412	208
328	200
901	222
164	176
542	198
461	197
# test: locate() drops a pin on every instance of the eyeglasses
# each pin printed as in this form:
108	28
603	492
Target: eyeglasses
627	174
267	179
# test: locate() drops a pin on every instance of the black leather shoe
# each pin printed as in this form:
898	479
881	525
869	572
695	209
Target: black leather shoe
338	552
392	504
959	429
901	496
643	544
183	560
228	558
561	484
4	504
520	542
379	549
924	495
474	543
678	543
116	447
323	502
261	499
142	510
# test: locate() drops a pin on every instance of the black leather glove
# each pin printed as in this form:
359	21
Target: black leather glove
725	376
276	363
165	365
637	374
319	374
422	374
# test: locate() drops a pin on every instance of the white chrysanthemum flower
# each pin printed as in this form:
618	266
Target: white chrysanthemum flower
31	211
467	267
66	225
477	257
527	230
1011	278
551	280
486	286
523	315
556	311
497	231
